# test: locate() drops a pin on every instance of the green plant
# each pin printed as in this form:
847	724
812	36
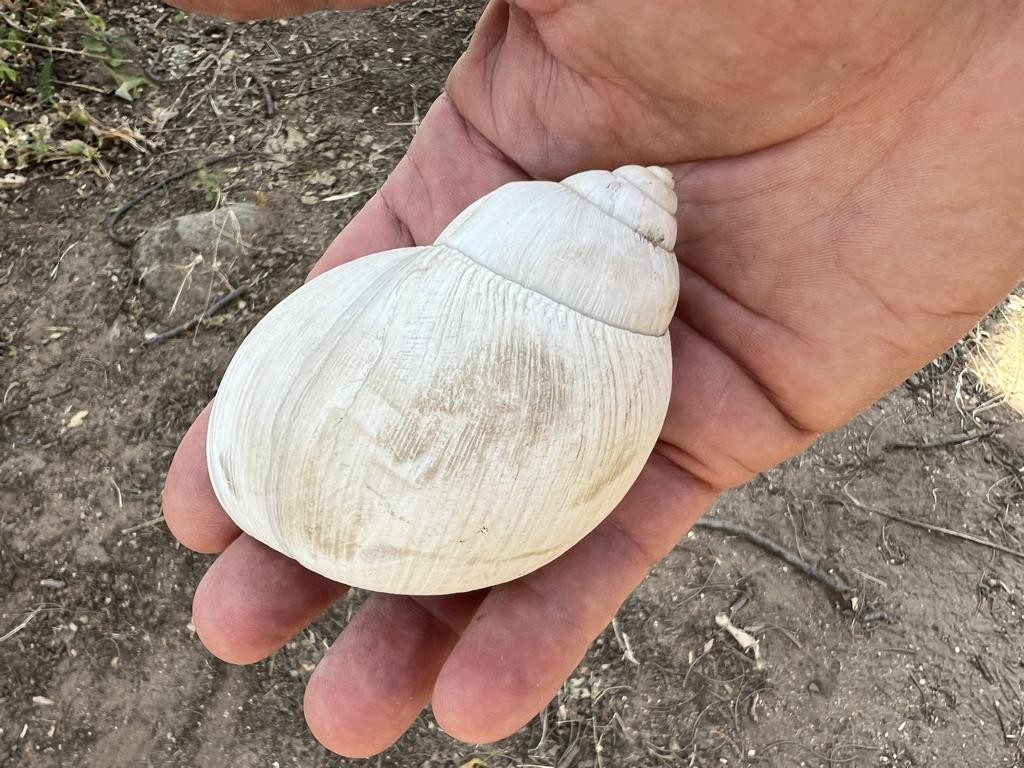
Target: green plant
102	43
37	31
39	38
208	184
28	43
66	133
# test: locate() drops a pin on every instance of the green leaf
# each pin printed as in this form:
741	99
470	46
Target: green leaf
95	46
128	86
44	80
79	116
74	147
96	23
40	146
6	73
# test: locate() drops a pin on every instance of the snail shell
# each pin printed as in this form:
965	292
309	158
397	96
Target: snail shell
444	418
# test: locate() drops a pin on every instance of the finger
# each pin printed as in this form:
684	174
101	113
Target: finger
253	600
377	678
529	634
191	509
722	426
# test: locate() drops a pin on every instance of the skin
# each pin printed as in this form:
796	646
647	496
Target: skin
851	182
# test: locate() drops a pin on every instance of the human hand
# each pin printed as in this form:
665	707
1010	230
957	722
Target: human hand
850	177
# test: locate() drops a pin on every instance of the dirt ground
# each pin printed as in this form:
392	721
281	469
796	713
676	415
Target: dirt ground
99	666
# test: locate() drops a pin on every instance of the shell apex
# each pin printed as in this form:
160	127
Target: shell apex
600	243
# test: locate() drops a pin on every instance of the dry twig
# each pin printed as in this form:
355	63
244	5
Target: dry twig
21	626
213	309
850	499
279	62
268	99
140	526
943	442
14	409
831	581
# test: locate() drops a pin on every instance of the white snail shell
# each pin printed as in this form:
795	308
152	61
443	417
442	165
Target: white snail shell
448	417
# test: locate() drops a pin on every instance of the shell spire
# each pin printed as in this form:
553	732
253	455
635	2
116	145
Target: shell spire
644	199
599	242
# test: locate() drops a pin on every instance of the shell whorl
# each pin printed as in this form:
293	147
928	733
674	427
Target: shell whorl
643	199
599	242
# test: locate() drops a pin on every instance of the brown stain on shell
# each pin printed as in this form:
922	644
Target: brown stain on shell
508	395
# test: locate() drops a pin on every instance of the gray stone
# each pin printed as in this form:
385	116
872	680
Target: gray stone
189	261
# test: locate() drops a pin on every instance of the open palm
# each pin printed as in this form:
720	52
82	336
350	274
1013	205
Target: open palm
850	176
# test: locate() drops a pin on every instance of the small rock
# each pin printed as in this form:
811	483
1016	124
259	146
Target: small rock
323	179
292	142
12	181
42	701
77	419
184	261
